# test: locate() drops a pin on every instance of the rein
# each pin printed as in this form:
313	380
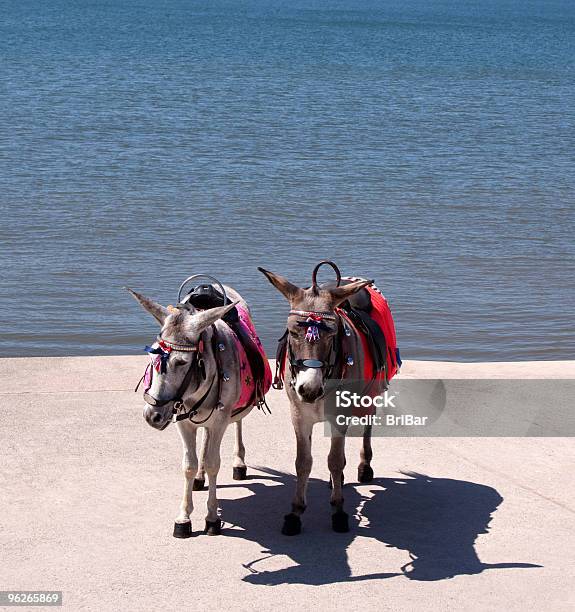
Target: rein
180	416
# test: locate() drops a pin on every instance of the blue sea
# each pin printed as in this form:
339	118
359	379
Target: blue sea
428	144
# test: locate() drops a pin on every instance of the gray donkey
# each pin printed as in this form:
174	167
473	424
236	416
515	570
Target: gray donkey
308	366
195	378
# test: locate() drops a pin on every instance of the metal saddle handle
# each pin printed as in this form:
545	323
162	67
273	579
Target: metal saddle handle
212	278
325	262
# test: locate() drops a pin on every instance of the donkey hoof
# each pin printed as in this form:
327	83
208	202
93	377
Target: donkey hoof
183	530
340	522
365	473
198	484
213	528
292	524
240	473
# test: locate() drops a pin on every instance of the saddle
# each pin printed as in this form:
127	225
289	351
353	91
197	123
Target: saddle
207	296
204	297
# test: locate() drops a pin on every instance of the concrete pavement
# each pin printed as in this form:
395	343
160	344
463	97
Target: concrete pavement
90	491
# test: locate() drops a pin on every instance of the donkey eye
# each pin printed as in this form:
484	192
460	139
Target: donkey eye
179	362
293	333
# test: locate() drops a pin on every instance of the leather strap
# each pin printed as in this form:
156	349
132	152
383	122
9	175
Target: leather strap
197	405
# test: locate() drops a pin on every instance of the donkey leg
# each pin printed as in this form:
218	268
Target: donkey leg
336	463
183	525
200	478
365	471
303	464
213	441
240	469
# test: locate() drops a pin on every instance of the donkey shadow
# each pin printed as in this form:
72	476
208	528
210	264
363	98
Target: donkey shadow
436	520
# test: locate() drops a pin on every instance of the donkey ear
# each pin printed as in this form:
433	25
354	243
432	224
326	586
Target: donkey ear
203	319
340	294
289	290
156	310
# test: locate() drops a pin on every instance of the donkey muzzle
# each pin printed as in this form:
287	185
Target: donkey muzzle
157	417
310	394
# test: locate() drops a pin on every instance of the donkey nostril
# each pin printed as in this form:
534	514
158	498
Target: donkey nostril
309	394
156	417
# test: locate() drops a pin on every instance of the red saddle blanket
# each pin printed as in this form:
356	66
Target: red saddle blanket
381	314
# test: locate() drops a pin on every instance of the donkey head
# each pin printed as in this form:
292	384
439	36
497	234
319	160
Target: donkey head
312	327
181	361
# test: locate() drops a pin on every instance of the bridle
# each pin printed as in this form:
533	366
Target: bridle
314	324
162	351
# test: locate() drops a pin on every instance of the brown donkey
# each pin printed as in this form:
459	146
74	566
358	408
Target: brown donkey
317	332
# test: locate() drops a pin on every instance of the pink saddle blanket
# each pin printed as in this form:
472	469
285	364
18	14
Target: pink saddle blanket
247	395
